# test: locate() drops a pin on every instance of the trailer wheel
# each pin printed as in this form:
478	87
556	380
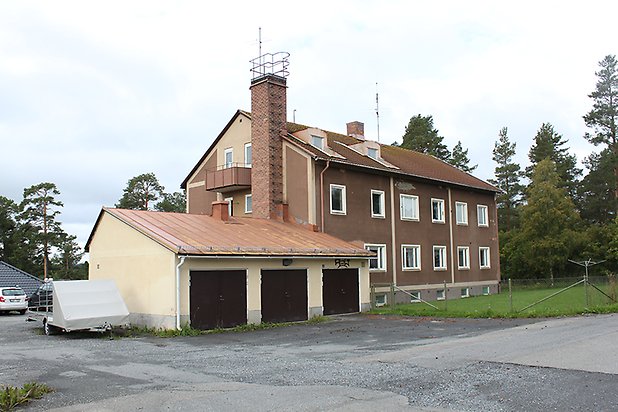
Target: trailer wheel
47	328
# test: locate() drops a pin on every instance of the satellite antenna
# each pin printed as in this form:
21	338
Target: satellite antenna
378	112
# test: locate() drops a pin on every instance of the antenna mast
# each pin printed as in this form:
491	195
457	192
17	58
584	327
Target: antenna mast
378	112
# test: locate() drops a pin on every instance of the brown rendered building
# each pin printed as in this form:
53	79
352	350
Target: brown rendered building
428	222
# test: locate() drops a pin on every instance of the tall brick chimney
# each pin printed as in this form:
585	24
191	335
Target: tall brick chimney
268	122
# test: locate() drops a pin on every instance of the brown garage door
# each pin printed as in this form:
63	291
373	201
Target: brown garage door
284	295
340	291
218	299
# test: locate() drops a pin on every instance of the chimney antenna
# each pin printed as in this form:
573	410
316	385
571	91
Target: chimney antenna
378	112
260	44
294	116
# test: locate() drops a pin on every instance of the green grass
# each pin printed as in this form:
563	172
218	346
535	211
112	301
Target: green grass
189	331
11	396
568	303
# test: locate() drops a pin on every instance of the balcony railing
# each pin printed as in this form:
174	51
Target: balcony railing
226	178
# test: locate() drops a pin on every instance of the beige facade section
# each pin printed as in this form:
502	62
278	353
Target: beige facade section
142	269
235	138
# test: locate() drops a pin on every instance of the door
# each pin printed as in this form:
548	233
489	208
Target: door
284	295
218	299
340	291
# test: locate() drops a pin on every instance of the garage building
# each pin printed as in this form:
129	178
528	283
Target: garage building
218	271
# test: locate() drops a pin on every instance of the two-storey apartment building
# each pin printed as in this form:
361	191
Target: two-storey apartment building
429	223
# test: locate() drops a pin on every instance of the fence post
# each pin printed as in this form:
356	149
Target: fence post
372	296
392	300
445	298
510	296
586	287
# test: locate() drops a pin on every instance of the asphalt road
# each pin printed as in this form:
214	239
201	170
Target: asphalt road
349	363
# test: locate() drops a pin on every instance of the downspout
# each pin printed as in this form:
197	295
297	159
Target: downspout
182	260
450	233
322	195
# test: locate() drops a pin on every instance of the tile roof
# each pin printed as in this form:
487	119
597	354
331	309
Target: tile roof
191	234
406	162
11	276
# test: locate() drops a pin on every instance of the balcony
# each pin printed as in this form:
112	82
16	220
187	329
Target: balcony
226	178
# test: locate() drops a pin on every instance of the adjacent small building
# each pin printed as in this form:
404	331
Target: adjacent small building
215	271
11	276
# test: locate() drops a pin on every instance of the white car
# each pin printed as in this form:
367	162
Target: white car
13	298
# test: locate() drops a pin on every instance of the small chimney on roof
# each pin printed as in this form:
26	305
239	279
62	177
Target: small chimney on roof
356	129
220	211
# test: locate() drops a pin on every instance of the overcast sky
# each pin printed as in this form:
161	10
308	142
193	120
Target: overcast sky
92	94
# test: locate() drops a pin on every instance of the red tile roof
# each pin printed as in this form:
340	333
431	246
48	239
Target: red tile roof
190	234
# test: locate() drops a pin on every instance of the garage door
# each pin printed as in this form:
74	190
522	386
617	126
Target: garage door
284	295
340	291
218	299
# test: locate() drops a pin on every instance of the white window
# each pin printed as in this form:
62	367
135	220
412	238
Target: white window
229	158
373	153
461	213
248	155
317	141
484	258
482	215
415	296
439	258
337	200
380	300
437	210
377	203
463	257
408	205
465	292
378	262
440	294
230	207
485	290
248	204
411	256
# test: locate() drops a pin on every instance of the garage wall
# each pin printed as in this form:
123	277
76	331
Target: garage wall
143	270
253	266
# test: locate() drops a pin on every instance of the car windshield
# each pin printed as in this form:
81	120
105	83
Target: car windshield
13	292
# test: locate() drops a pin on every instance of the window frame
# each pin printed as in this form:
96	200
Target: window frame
343	199
442	211
442	258
373	150
416	207
488	257
404	261
229	164
381	215
485	215
321	140
466	294
466	265
250	162
415	296
247	197
463	222
380	296
485	290
440	292
381	258
230	205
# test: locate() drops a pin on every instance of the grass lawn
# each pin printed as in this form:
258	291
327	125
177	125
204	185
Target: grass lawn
570	302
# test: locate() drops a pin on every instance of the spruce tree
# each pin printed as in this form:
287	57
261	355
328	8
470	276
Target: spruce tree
421	136
459	159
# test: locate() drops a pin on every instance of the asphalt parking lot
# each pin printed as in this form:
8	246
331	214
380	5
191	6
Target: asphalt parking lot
355	362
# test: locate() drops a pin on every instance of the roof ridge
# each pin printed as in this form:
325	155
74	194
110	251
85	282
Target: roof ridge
19	270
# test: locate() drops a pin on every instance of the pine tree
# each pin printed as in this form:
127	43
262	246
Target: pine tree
38	214
548	144
68	257
596	199
508	176
141	192
172	202
421	136
459	159
549	233
8	228
603	118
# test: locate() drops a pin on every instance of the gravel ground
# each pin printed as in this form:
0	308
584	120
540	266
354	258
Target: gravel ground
348	363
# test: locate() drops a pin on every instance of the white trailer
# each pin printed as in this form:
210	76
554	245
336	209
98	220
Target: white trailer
93	305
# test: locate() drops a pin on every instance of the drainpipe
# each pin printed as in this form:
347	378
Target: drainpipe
182	260
322	195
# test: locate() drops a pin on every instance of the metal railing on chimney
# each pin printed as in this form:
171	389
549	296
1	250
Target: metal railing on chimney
270	64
